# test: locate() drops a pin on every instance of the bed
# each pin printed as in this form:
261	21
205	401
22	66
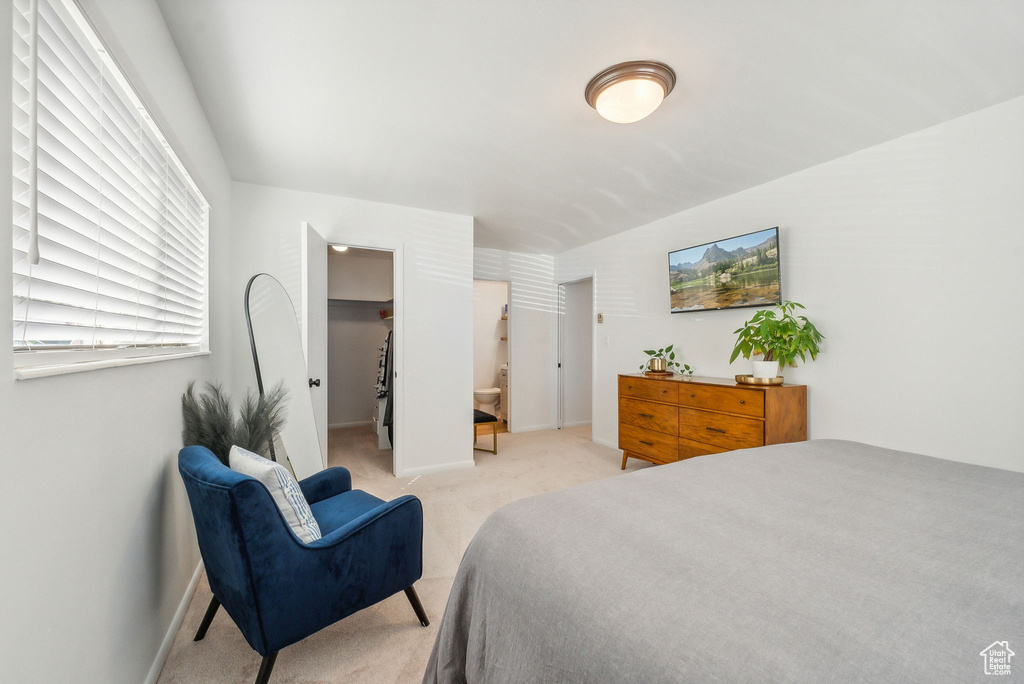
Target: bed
810	562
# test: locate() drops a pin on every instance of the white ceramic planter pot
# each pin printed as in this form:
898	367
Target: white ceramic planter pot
765	369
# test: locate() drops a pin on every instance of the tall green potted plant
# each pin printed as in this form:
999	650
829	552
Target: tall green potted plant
778	335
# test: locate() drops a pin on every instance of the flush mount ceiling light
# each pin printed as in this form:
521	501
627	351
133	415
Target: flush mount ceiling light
630	91
339	248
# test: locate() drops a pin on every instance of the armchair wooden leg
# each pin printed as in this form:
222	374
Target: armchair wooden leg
495	436
211	610
410	593
266	667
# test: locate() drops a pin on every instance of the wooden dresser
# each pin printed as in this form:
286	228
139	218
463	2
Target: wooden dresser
662	420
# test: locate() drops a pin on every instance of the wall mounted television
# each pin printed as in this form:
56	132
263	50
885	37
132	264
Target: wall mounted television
734	273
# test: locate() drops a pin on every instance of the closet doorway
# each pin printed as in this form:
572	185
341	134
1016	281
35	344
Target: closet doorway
575	352
361	346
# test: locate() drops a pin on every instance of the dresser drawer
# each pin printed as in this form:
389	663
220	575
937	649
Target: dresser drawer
744	401
730	432
649	416
689	448
664	448
641	388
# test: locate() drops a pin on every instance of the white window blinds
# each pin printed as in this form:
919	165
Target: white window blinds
122	230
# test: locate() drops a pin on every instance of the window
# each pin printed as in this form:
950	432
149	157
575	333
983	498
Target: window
110	231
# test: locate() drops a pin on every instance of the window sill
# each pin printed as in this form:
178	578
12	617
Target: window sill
32	372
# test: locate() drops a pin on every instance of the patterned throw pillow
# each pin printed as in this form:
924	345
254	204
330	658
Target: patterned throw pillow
283	488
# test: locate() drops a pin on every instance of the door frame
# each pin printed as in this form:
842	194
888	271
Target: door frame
560	345
398	330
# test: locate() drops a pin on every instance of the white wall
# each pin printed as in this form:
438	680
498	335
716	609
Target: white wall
489	351
577	352
355	333
361	274
532	333
436	288
908	257
98	541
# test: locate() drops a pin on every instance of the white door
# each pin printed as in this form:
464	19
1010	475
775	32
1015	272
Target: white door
575	352
314	325
561	355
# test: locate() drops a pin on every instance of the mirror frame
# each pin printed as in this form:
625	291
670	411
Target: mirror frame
252	347
252	338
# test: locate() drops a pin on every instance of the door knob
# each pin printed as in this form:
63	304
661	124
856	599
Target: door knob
314	383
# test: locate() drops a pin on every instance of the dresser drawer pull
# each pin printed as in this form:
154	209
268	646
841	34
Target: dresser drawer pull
664	391
629	387
743	401
715	430
691	396
647	443
646	415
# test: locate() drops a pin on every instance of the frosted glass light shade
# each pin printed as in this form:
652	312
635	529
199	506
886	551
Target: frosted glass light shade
628	101
630	91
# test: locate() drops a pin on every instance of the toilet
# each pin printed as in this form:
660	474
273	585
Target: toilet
486	398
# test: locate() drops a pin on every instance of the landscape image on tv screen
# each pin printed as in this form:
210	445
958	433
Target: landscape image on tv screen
727	274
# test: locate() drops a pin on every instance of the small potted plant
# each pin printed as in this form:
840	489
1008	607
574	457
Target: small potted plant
779	336
664	361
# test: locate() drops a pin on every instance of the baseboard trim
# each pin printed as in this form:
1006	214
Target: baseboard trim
172	631
358	423
440	468
604	442
578	423
535	428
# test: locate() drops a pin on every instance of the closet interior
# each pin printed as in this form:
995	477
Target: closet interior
360	327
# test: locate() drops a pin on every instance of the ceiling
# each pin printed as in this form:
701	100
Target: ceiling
477	107
334	256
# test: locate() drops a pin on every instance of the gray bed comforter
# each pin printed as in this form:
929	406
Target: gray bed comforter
822	561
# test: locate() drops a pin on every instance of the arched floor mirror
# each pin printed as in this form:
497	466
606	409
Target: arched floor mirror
278	358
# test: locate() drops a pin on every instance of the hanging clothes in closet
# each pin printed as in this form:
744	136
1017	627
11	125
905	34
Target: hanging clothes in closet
385	378
382	368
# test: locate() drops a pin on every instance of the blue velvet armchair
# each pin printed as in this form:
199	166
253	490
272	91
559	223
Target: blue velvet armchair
279	590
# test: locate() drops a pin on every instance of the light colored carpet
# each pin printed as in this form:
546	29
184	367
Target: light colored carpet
385	642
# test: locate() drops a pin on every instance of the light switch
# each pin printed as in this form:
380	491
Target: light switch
600	318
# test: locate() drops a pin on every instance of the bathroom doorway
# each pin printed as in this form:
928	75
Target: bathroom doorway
491	344
575	352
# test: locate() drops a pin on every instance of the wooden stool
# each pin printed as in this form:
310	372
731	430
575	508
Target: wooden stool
482	418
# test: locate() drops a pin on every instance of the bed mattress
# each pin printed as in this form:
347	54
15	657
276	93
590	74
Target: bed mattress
821	561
